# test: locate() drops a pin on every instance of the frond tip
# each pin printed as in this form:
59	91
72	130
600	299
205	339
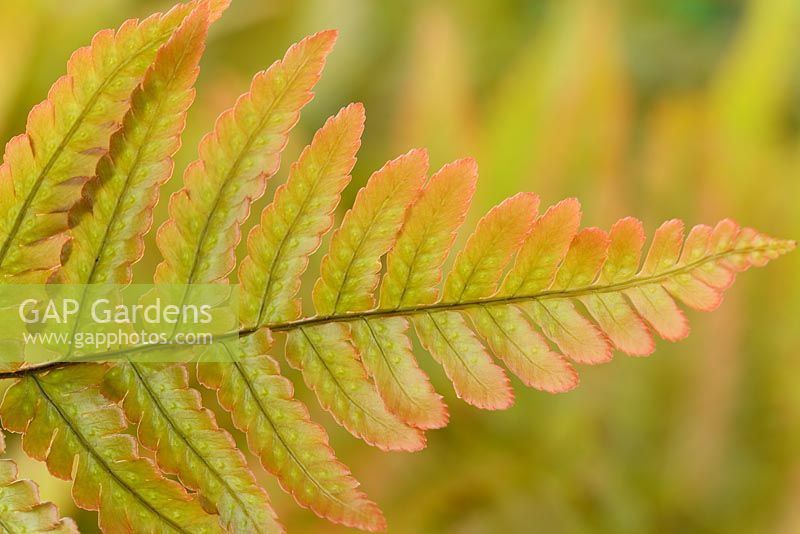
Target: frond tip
535	292
538	293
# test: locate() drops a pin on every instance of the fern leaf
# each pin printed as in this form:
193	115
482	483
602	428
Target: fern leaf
276	95
44	169
524	351
350	271
20	507
293	224
652	301
188	442
534	292
539	257
406	390
506	331
479	267
117	207
699	288
198	240
602	271
288	443
476	379
350	274
331	367
63	417
574	335
414	265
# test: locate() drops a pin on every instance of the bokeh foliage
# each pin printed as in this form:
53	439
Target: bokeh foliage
657	109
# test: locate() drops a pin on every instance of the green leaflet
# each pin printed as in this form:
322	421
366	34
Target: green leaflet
20	509
413	270
520	314
233	185
41	177
349	275
386	353
351	270
44	169
117	204
476	379
290	230
288	443
474	275
235	162
292	226
199	239
172	421
331	368
63	416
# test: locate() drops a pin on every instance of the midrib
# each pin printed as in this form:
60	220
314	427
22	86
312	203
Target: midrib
421	310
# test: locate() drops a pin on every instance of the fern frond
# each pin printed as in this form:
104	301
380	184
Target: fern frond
406	390
575	336
350	271
44	169
612	311
414	265
535	292
20	508
474	275
557	269
478	268
198	240
476	378
331	367
63	416
236	160
506	332
519	310
548	261
267	113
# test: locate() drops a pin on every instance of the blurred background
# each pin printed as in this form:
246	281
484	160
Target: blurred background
650	108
